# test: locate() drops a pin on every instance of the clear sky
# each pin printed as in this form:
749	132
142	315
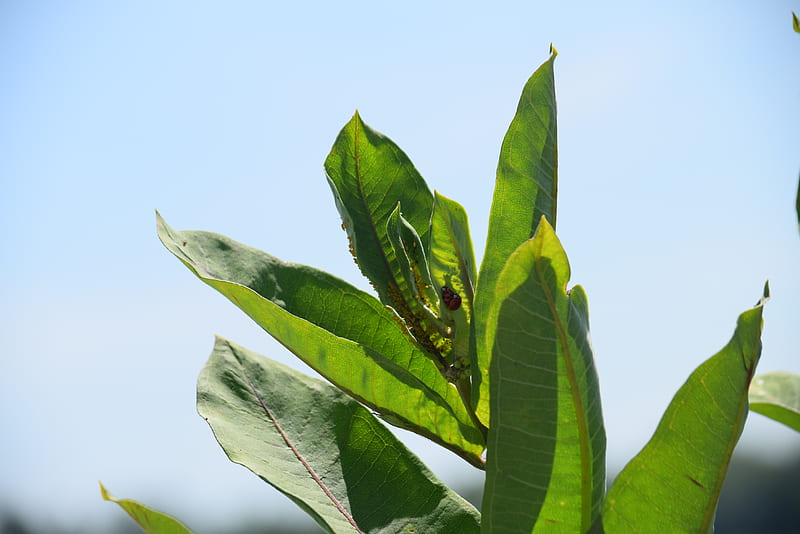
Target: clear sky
679	153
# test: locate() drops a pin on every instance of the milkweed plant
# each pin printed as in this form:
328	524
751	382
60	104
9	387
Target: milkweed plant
492	362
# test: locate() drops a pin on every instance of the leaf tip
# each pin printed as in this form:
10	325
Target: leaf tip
221	343
163	230
553	51
765	297
544	224
104	492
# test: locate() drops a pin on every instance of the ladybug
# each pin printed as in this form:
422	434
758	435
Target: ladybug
451	299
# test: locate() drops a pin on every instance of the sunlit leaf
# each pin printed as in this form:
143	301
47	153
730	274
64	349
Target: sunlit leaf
368	175
525	190
452	264
151	521
343	333
546	448
674	483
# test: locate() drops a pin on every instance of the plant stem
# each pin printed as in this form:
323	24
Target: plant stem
464	387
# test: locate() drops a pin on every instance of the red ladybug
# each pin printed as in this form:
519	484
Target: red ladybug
451	299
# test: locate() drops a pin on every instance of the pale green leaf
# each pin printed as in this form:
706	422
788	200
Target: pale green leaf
777	396
323	450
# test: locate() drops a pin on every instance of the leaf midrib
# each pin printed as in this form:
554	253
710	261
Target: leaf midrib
580	415
273	420
363	198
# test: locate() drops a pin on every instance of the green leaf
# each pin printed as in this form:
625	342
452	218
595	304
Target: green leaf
343	333
452	264
371	178
413	263
369	175
674	483
323	450
777	396
545	465
525	190
151	521
795	22
416	291
797	205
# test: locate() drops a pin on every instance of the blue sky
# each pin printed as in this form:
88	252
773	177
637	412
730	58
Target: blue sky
678	152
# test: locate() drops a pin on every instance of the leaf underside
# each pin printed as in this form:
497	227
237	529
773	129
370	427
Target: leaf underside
343	333
777	395
322	449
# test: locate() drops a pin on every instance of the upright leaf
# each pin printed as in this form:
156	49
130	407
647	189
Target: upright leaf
151	521
525	190
674	483
545	467
343	333
777	395
412	260
416	291
369	175
452	264
324	451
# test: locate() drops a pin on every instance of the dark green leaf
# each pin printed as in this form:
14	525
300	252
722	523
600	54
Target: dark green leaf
343	333
525	190
369	175
674	483
546	448
322	449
